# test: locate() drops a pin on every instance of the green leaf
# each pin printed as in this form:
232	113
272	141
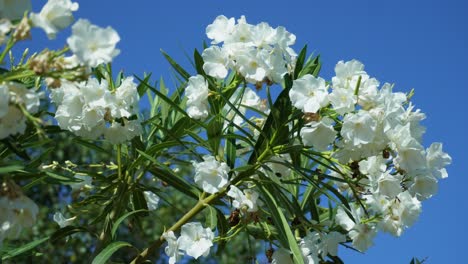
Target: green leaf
117	223
312	66
53	177
106	253
231	149
176	66
300	62
285	235
89	145
25	248
139	201
10	168
198	62
211	217
141	88
58	235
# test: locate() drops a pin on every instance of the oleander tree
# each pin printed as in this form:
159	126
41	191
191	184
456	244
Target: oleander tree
251	156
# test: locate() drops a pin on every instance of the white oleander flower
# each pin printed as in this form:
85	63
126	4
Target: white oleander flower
309	93
14	9
329	243
216	62
245	201
348	73
62	221
258	52
423	186
5	28
13	95
118	133
86	182
362	234
89	109
358	128
437	160
152	200
343	100
172	249
252	65
401	214
54	16
195	240
18	211
220	29
197	95
320	135
93	45
310	247
210	174
281	256
4	99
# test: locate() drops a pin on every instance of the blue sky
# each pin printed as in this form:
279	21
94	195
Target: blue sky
414	44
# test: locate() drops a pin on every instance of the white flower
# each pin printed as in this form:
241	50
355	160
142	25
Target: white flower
348	73
343	100
93	45
310	248
4	99
246	201
437	160
195	240
62	221
220	29
197	95
13	123
5	28
386	184
86	182
281	256
17	211
403	212
14	9
172	249
210	174
319	134
215	62
251	64
249	99
330	242
358	128
362	234
85	108
423	186
309	93
118	133
152	200
12	119
54	16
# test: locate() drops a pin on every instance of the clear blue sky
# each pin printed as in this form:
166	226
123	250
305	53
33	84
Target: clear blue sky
415	44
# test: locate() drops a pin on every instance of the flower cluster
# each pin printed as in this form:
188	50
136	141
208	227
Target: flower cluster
90	109
378	133
15	101
18	211
259	52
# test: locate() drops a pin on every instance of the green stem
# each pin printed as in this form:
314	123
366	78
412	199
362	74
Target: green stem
119	160
10	44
